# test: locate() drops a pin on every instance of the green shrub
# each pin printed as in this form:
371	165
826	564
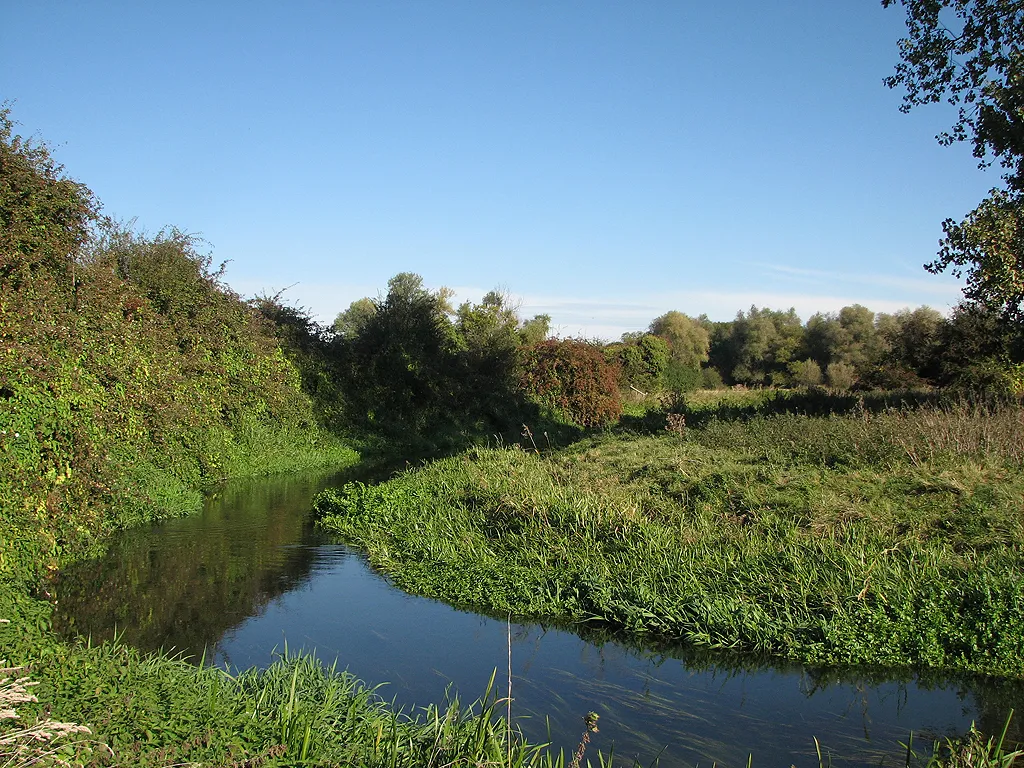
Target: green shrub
805	373
642	361
682	378
710	378
841	375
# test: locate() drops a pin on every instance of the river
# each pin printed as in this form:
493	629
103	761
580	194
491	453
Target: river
250	575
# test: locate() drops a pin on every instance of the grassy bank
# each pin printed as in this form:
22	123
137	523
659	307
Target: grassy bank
158	711
891	538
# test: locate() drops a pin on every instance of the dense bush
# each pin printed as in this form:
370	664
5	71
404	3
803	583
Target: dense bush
710	378
642	360
682	378
805	373
573	377
130	376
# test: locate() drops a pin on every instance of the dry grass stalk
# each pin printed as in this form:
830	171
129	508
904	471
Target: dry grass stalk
24	745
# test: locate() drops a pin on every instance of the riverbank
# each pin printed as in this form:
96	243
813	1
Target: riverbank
891	538
158	711
110	704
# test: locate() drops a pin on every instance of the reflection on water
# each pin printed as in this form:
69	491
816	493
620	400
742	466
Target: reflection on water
250	574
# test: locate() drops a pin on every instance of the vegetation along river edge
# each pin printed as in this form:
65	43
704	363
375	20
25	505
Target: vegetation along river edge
889	538
838	526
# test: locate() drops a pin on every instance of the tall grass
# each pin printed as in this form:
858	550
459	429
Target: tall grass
159	711
891	538
973	750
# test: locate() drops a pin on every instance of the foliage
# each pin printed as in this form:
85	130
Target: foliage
909	349
841	375
886	539
352	321
848	337
319	357
979	348
45	216
992	377
403	359
757	347
130	376
572	377
535	330
687	339
642	360
488	329
420	376
710	378
968	53
682	378
988	246
805	373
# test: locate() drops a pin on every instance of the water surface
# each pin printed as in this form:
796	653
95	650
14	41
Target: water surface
250	574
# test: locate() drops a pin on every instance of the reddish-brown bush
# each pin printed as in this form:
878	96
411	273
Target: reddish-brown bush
573	377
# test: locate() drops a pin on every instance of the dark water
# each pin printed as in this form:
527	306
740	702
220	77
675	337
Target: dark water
250	574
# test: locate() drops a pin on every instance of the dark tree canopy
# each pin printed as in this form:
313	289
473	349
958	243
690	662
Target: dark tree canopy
971	54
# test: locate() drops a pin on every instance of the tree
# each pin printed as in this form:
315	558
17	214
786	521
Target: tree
988	247
643	360
805	373
841	375
535	330
912	339
723	352
968	52
823	338
687	339
350	322
765	342
848	337
858	344
976	335
489	327
404	359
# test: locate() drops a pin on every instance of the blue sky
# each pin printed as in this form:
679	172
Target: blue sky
603	162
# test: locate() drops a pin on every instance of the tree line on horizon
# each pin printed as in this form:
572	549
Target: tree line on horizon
411	363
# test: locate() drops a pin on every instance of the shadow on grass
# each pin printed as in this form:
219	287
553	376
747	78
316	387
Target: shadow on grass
813	402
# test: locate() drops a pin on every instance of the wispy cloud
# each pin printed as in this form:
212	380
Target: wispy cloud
941	286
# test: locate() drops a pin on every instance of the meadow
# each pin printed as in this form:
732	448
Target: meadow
889	538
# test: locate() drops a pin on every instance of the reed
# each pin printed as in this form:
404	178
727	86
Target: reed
973	750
